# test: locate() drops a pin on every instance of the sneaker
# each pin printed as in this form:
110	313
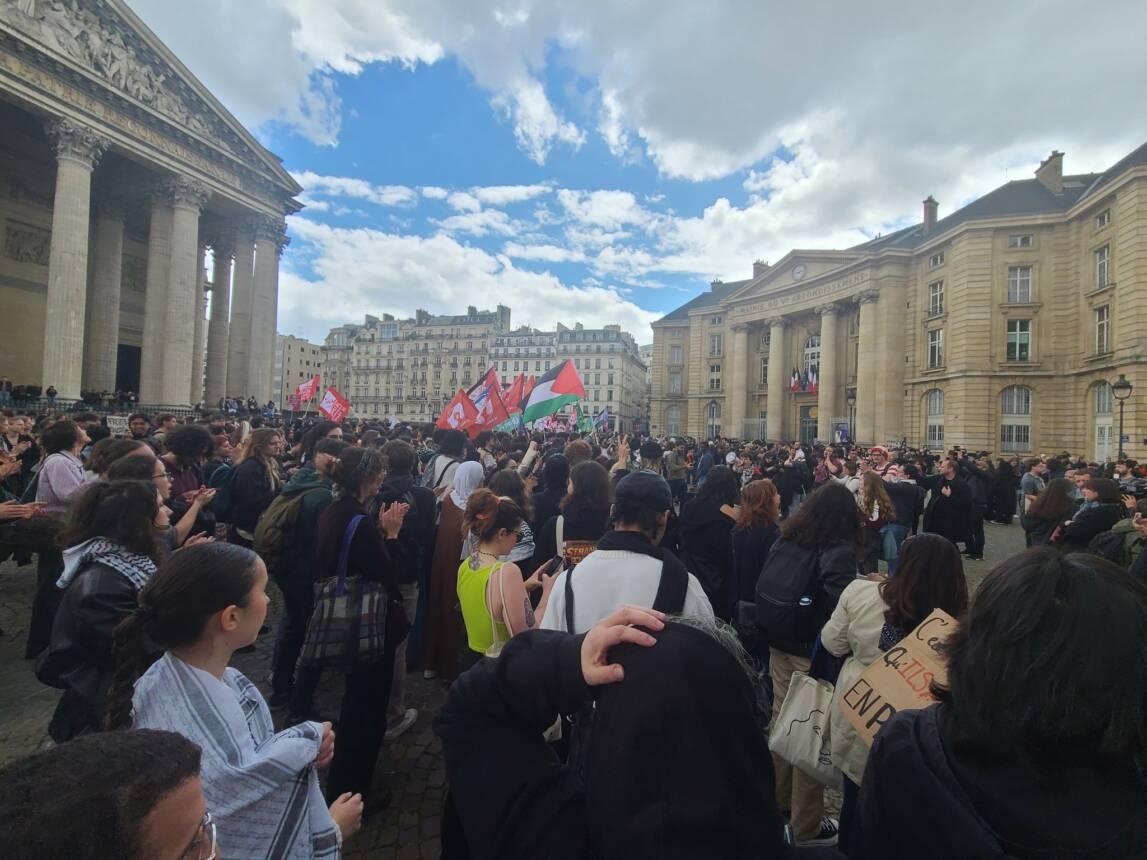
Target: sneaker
429	674
829	831
408	720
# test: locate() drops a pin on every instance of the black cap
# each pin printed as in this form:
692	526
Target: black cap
645	489
650	450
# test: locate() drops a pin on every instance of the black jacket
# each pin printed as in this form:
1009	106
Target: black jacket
979	481
418	529
948	516
1087	524
371	555
925	796
79	657
836	568
707	540
908	500
677	765
751	547
251	493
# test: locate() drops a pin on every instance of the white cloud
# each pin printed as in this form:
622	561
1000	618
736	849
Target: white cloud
357	271
544	253
460	201
537	126
344	186
503	195
607	209
432	192
480	223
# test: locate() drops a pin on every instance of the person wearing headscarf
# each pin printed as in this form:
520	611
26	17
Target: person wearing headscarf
677	764
443	634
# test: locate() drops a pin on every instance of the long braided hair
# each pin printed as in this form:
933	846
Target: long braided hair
189	587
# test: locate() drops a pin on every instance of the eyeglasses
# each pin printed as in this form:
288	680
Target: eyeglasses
204	841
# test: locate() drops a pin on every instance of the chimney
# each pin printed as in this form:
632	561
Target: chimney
471	311
1050	172
715	283
931	207
759	268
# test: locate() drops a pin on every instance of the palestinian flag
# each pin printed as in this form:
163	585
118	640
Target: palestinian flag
555	389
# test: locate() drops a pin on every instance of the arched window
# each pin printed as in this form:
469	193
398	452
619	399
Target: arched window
713	419
673	420
1015	418
1102	420
934	418
811	354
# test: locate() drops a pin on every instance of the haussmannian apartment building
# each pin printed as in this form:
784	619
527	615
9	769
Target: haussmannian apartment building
999	327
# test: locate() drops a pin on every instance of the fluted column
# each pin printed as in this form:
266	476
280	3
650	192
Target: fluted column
187	199
78	148
866	363
199	345
222	248
775	399
826	383
242	300
101	341
155	302
269	233
738	382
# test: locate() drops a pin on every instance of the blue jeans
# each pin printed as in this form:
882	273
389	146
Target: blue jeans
891	536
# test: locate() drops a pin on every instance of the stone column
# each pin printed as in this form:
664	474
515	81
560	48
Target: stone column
269	233
222	248
866	369
187	199
242	300
738	383
826	383
199	345
101	343
78	148
778	374
155	302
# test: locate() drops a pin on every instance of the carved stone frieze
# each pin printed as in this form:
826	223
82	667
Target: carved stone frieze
25	243
268	227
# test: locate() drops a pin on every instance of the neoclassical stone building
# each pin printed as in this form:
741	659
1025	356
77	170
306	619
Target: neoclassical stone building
118	172
999	327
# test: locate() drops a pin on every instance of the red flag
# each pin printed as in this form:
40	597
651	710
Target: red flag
334	405
458	414
307	390
527	387
486	396
513	396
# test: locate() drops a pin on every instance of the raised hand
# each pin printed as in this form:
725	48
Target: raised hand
617	628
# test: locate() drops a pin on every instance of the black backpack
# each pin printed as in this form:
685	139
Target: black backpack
788	602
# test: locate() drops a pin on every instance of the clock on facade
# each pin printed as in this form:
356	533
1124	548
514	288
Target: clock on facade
799	271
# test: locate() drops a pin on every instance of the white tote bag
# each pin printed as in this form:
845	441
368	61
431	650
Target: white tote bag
800	732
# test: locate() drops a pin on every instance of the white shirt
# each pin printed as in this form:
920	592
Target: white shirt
606	580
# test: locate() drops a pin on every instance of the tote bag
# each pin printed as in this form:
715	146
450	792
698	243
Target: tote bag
348	625
800	732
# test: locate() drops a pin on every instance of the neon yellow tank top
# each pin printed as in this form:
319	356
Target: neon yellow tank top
482	632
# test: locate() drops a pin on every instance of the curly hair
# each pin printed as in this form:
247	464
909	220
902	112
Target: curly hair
121	511
828	516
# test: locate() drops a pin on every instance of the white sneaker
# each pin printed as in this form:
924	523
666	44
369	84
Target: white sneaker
829	832
408	720
429	674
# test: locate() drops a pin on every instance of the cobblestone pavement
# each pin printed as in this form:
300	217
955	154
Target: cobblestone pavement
411	768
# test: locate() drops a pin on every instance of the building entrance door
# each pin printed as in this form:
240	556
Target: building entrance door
808	425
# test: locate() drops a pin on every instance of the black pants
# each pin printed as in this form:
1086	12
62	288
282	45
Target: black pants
49	566
361	728
849	817
680	489
975	542
298	604
870	561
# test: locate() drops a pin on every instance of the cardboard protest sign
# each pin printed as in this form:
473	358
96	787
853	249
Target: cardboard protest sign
901	678
118	425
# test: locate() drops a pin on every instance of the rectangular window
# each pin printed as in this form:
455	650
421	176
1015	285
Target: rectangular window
1019	340
936	260
675	383
935	433
1022	241
935	298
1102	266
609	394
714	377
1102	329
1019	283
1102	219
609	379
597	364
675	355
716	320
537	365
1015	437
936	348
715	344
764	370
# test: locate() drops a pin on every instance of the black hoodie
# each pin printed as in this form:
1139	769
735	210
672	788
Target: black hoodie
922	797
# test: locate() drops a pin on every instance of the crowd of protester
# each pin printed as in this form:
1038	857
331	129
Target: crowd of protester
618	619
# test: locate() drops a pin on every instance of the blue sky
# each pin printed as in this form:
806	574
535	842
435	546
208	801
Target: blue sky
602	162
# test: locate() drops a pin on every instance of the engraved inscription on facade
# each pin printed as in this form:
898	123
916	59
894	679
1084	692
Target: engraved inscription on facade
801	296
27	244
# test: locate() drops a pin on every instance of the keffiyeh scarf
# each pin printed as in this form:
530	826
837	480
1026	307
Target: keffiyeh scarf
136	568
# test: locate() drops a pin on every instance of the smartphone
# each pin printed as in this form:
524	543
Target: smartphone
552	567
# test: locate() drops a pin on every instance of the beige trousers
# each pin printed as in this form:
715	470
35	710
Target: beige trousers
796	791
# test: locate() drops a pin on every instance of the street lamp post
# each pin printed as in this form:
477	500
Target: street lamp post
1121	389
850	398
